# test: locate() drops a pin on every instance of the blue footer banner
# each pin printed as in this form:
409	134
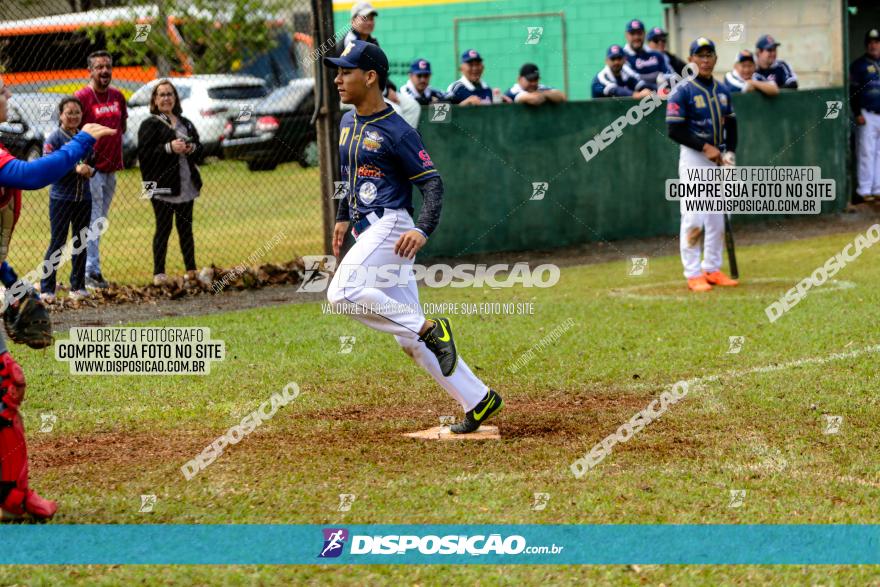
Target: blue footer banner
440	544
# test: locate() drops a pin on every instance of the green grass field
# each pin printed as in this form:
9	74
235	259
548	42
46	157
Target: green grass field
237	213
119	437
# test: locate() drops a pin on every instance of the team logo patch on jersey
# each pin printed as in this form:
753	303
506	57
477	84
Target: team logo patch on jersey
426	159
367	192
673	109
368	170
723	99
871	69
372	141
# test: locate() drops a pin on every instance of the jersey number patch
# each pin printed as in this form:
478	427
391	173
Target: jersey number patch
698	100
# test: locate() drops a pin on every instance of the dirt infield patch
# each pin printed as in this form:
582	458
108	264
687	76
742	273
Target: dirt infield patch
564	417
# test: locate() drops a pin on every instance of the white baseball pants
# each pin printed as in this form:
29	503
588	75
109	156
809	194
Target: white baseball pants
395	309
868	148
712	225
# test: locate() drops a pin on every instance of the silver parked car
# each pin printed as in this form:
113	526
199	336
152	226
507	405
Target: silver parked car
207	100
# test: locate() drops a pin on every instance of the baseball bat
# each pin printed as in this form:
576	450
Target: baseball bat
728	236
731	247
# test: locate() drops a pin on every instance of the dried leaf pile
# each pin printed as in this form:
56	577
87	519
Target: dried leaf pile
211	280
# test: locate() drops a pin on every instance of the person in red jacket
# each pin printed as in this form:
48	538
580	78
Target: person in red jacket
16	498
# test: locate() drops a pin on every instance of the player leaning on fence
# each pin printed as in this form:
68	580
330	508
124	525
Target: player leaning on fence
381	157
699	115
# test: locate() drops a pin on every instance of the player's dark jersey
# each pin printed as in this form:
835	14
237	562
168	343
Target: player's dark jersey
864	85
702	105
780	73
381	157
607	85
462	89
734	84
647	64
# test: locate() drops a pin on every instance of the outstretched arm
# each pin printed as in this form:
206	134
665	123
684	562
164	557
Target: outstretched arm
34	175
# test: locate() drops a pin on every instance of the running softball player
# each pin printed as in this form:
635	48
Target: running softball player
699	115
381	157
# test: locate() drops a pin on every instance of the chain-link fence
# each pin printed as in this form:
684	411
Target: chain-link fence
244	81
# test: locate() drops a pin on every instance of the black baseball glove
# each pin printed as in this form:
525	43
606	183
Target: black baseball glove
29	323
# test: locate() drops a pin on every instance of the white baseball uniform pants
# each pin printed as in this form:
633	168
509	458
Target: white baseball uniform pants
712	225
395	309
868	148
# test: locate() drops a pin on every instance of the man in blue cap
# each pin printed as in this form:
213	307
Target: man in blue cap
650	66
418	87
771	68
616	79
700	118
469	89
381	158
744	78
864	92
657	39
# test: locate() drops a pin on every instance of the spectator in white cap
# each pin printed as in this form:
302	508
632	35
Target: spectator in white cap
528	88
363	22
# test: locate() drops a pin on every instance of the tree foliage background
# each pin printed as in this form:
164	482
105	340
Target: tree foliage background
218	36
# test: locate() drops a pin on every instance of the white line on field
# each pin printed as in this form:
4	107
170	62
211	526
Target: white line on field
632	291
796	363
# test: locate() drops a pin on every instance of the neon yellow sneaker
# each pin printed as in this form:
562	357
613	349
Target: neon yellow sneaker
440	342
488	407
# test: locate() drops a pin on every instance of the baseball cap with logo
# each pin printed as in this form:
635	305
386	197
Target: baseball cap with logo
470	55
529	71
635	25
700	44
766	42
656	33
362	55
420	66
614	51
363	9
745	55
872	35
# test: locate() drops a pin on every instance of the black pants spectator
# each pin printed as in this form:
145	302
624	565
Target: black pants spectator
64	215
181	215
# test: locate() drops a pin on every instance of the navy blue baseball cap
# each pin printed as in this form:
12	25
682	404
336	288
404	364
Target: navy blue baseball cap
635	25
656	32
420	66
767	42
361	55
470	55
615	51
745	55
700	44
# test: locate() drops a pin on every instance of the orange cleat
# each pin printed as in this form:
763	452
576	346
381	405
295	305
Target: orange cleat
698	284
718	278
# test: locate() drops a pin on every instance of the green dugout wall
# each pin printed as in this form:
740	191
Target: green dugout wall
572	46
490	156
